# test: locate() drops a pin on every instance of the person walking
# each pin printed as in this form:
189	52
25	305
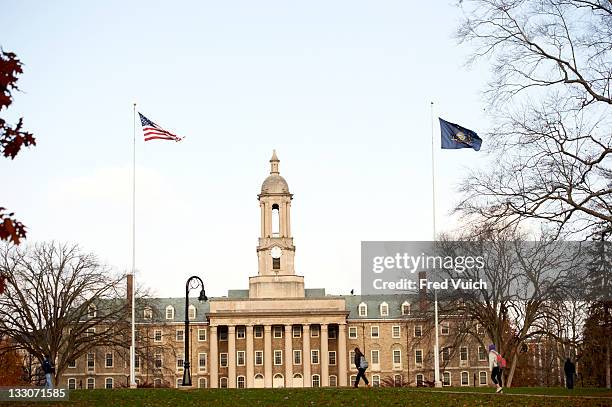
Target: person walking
570	370
361	364
496	365
49	369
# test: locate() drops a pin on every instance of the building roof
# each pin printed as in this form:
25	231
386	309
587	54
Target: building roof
373	302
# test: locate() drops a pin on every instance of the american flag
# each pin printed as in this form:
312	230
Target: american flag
152	131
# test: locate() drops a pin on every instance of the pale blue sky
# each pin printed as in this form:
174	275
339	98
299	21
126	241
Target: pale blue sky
341	89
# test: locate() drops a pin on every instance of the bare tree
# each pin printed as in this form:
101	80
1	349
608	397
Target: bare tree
550	100
525	280
61	302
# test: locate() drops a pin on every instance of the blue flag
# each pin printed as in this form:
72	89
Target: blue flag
455	136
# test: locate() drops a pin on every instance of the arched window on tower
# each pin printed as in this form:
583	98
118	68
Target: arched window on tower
275	221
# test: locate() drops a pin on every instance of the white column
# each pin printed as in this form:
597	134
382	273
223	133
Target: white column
341	357
250	355
231	357
213	358
306	355
288	356
324	356
267	356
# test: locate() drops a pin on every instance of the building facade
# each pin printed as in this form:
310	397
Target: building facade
280	334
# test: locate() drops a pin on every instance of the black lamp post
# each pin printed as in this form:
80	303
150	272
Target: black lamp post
197	281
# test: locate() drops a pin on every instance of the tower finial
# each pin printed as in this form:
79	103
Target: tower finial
274	163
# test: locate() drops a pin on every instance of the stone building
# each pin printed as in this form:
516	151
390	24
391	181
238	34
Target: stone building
280	334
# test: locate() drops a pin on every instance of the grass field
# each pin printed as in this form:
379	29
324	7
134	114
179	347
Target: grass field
376	397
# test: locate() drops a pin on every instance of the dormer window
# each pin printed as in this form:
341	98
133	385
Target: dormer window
406	308
192	312
384	309
92	311
363	310
169	312
147	313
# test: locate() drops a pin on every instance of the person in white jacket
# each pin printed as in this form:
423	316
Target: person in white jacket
495	368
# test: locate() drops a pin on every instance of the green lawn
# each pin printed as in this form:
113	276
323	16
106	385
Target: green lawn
336	397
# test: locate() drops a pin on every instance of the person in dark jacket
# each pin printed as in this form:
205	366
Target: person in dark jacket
361	365
49	369
570	370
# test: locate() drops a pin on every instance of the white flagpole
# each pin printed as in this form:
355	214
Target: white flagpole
133	345
437	381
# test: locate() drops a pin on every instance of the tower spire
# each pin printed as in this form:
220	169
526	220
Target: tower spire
274	163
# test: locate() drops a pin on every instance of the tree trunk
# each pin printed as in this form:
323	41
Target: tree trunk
508	382
608	364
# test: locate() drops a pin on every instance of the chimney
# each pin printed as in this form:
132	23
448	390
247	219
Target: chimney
423	303
130	288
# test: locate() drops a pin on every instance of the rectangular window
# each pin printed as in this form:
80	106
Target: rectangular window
375	357
297	331
352	332
316	380
314	331
482	354
405	309
71	384
363	310
223	359
240	332
463	354
332	357
297	357
374	332
395	331
108	359
278	357
444	329
157	335
384	310
201	361
482	378
223	334
259	357
333	381
276	263
191	312
201	335
91	361
418	356
180	361
258	331
278	331
419	380
446	379
418	330
314	357
158	360
465	379
376	380
352	359
353	379
397	357
332	333
91	383
445	354
180	335
240	358
72	364
137	363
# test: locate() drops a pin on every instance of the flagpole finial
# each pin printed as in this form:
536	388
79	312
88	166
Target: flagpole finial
274	163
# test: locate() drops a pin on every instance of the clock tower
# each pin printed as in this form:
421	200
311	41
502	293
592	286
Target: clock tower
275	251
